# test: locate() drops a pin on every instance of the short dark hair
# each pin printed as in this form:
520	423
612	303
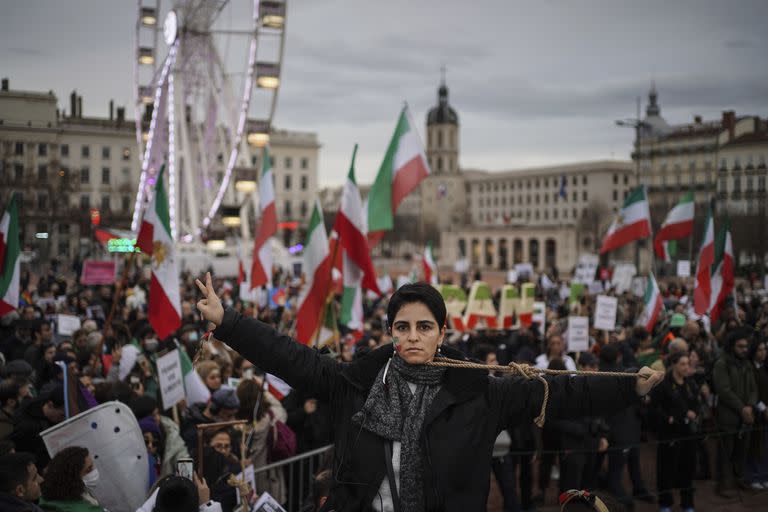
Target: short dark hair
321	486
640	333
8	390
482	350
609	353
417	292
674	357
10	475
176	494
739	333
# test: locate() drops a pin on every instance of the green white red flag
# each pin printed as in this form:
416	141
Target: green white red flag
10	250
351	226
677	225
722	276
195	390
633	222
317	275
261	268
403	168
654	304
702	292
430	265
155	240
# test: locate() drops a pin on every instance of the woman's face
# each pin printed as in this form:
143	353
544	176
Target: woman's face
213	380
555	346
417	333
50	353
88	466
681	367
761	353
222	443
151	444
347	352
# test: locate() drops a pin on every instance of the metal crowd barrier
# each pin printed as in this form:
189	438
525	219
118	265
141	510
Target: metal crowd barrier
299	472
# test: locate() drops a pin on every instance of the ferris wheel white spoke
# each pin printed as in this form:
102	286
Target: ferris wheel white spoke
188	175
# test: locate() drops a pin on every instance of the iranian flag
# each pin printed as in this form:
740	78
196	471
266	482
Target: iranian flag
351	313
10	249
195	390
722	276
155	240
317	272
403	168
702	293
430	265
351	226
632	223
261	268
677	225
653	305
480	310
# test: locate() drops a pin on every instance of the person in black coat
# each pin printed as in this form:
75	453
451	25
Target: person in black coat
35	416
677	406
428	430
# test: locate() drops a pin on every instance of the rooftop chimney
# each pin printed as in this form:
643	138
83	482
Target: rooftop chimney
729	122
73	104
120	115
697	119
80	106
111	110
5	84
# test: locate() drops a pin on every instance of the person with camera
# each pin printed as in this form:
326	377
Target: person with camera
180	494
677	405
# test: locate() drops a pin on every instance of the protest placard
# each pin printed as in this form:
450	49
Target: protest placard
622	276
510	301
683	268
586	268
638	286
524	271
480	310
97	272
578	334
605	312
577	290
539	315
267	503
67	324
170	379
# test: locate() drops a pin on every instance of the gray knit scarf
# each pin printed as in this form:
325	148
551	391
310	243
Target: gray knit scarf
393	412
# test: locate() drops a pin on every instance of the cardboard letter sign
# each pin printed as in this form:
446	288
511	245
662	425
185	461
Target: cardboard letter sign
170	378
605	313
578	333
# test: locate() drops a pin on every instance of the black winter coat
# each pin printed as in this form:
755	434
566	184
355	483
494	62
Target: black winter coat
30	421
460	427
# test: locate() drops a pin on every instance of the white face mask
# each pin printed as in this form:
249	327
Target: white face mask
193	336
91	478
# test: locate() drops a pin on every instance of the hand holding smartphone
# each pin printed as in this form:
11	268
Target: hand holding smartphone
185	467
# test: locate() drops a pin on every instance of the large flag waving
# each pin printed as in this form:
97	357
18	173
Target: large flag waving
632	223
653	305
351	226
677	225
155	240
702	292
261	268
10	249
722	276
403	168
317	272
430	265
195	390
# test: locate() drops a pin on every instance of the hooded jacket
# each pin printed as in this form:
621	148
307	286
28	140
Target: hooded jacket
460	428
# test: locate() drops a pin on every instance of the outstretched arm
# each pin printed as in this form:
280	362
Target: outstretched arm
300	366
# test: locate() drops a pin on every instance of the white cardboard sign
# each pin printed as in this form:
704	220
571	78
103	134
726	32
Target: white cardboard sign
683	268
170	378
605	312
67	324
578	333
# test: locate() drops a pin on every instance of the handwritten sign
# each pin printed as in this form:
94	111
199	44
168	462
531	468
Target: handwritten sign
683	268
170	378
605	312
578	333
67	324
97	272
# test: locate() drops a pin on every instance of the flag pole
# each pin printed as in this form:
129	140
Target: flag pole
120	286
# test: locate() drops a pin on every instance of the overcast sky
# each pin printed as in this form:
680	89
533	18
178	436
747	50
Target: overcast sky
534	82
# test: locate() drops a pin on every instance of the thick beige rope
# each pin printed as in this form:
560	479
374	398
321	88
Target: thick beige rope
529	372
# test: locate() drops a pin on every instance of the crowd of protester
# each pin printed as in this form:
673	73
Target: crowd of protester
715	392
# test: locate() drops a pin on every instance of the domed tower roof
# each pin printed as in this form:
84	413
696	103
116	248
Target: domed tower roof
442	113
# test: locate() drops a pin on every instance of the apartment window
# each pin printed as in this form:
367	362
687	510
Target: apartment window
511	200
63	229
85	151
583	195
736	184
750	183
546	214
85	201
288	162
126	153
584	180
615	179
85	175
626	179
554	214
575	196
692	166
439	139
42	150
105	153
64	150
528	199
537	198
528	184
303	209
722	184
615	195
105	203
254	161
220	158
495	187
304	163
575	213
546	198
287	182
272	161
126	203
723	164
537	183
626	193
18	149
42	173
126	172
565	213
105	175
761	183
574	180
42	201
536	215
554	197
287	208
304	181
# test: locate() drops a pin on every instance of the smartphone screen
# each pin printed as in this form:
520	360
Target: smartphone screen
185	467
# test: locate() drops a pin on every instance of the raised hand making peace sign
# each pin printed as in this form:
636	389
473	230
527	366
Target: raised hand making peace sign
210	305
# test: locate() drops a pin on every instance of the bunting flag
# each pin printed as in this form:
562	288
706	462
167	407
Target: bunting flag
722	276
155	240
10	250
632	223
653	305
403	168
430	265
677	225
702	293
317	275
351	226
261	268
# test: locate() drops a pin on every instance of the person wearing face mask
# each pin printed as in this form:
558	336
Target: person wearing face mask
67	481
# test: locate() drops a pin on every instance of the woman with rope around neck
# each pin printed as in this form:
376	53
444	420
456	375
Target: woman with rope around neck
410	436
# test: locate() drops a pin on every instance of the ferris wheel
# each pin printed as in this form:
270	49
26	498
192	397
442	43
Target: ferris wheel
206	81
